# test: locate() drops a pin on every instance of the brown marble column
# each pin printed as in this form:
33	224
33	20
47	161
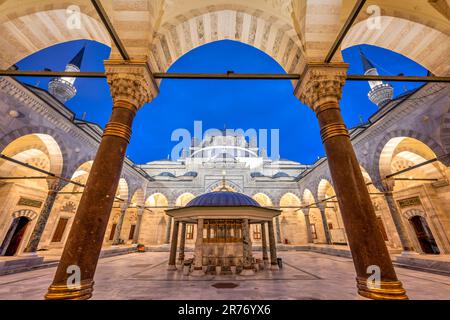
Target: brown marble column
309	236
278	229
265	255
320	88
182	243
168	229
54	186
272	247
173	247
387	187
132	86
118	230
137	230
198	262
247	249
322	206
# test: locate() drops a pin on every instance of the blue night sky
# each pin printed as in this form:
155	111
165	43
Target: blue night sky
235	104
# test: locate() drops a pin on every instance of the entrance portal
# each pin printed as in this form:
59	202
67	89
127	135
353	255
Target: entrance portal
424	235
14	236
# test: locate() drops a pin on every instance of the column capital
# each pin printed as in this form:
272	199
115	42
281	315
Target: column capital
123	205
140	211
131	81
321	83
305	211
385	185
54	184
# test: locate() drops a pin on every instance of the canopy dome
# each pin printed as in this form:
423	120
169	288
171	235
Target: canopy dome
222	199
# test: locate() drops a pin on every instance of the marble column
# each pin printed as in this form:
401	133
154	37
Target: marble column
198	262
118	230
182	243
309	235
137	230
322	206
132	85
320	88
272	247
247	249
173	247
54	186
277	226
387	187
265	255
168	227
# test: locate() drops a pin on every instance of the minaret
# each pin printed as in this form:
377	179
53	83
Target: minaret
63	88
380	93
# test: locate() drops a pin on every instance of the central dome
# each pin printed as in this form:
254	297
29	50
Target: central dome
222	199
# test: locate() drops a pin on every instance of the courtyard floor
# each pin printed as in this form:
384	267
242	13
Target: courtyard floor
305	275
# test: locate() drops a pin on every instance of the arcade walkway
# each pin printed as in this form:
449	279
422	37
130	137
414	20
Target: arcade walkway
305	275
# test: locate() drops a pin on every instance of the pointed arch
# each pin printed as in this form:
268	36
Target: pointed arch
263	199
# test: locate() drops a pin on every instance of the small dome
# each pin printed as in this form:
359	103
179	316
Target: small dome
256	174
166	174
222	199
281	175
190	174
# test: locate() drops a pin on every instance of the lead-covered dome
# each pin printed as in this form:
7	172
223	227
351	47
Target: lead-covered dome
222	199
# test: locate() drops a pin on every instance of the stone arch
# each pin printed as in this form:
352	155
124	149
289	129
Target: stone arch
289	198
33	27
38	150
308	197
384	151
30	214
230	185
323	186
413	212
183	199
82	169
122	190
58	142
138	197
263	199
157	199
238	22
423	44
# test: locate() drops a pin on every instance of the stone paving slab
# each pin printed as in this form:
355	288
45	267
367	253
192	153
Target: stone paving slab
306	275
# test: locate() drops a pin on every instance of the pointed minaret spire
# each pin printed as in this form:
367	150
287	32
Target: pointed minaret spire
367	64
380	93
78	59
63	88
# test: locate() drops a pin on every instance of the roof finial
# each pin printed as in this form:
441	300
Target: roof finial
224	186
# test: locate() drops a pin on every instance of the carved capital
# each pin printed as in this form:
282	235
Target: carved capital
140	211
131	81
54	184
321	83
385	185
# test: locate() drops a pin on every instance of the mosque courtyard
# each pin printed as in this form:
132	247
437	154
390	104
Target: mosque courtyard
304	276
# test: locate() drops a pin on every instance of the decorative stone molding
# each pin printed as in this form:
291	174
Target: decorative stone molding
30	214
131	81
321	83
413	212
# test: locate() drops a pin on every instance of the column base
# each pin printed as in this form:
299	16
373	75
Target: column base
172	267
29	254
388	290
409	253
274	267
198	272
63	292
247	272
